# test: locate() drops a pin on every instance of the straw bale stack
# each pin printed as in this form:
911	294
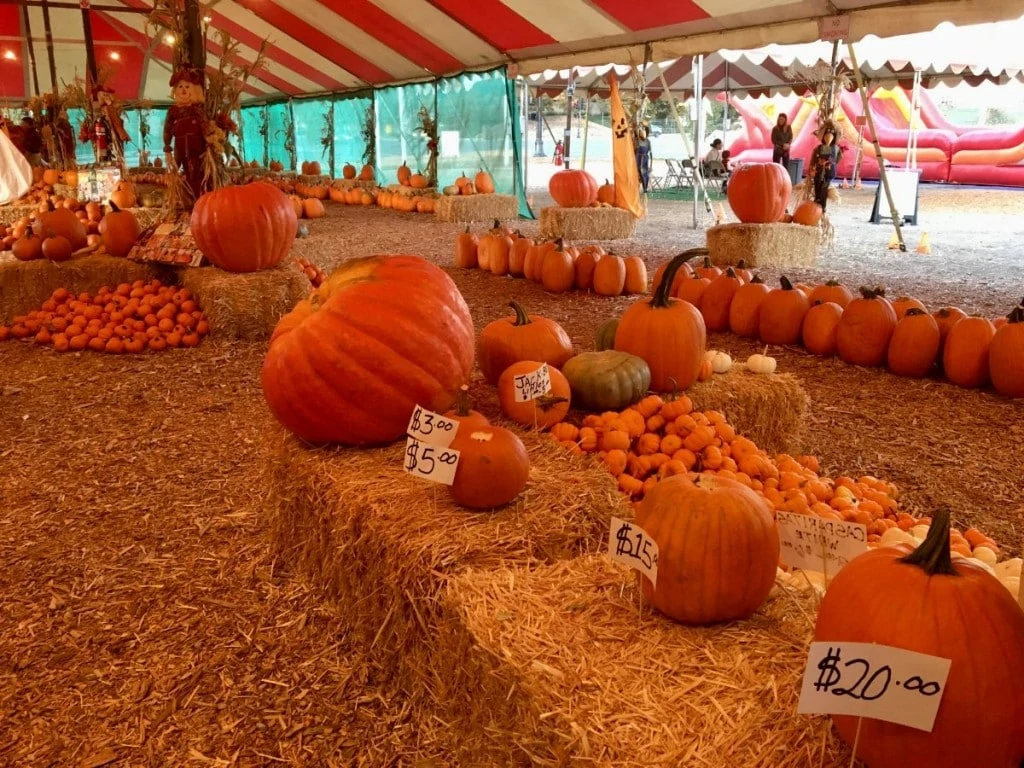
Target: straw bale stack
24	285
401	189
249	305
556	666
587	223
764	245
467	208
381	544
769	409
11	213
353	184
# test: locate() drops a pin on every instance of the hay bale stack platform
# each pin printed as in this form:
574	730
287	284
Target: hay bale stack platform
249	305
11	213
467	208
554	666
764	245
401	189
769	409
587	223
381	544
353	184
24	285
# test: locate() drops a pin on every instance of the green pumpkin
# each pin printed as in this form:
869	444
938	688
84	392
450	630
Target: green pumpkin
605	337
607	380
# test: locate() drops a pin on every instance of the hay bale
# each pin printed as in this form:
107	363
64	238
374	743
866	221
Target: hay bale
476	208
24	285
314	180
399	189
11	213
381	544
764	245
587	223
353	184
770	410
245	306
553	666
64	190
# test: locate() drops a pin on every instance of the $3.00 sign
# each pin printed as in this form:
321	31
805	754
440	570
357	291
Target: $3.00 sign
427	454
878	681
630	545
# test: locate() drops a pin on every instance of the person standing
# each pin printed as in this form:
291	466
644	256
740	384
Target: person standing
644	158
33	142
824	161
782	138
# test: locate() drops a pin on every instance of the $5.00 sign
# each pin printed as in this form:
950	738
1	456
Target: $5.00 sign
879	681
427	454
530	386
630	545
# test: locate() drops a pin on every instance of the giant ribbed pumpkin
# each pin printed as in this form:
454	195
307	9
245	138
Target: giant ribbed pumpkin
573	189
759	193
382	335
244	228
718	548
926	602
668	334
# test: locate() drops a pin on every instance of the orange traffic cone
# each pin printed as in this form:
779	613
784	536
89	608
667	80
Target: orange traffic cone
844	185
894	243
923	245
858	185
720	214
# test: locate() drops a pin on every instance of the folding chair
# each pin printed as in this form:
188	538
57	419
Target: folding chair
656	182
687	172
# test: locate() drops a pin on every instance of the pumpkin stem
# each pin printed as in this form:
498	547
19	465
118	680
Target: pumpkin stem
786	285
113	207
521	317
741	264
868	293
661	296
933	556
913	312
462	401
549	401
1016	315
833	283
497	224
730	272
757	279
707	263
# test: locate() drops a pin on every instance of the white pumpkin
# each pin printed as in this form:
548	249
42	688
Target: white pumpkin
721	362
762	364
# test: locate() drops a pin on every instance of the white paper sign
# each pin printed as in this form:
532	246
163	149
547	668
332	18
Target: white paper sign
429	427
813	543
869	680
630	545
530	386
431	462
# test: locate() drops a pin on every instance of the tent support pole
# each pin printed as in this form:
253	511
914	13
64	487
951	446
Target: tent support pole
570	91
698	178
586	132
31	48
698	172
878	149
538	147
526	131
48	31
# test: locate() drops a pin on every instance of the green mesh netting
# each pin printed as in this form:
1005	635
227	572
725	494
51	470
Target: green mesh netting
313	137
349	122
280	137
253	140
399	135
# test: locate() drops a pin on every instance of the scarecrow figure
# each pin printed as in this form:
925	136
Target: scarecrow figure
185	129
106	131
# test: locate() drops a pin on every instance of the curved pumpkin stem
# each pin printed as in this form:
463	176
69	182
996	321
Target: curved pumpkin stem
914	312
933	556
757	279
730	272
707	263
521	317
741	264
549	401
868	293
1016	315
786	284
462	404
113	206
661	296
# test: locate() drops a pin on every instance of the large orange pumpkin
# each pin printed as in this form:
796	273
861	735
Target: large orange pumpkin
914	346
244	228
759	193
717	300
833	291
926	602
864	331
1006	356
120	229
782	314
745	309
718	548
808	213
493	467
965	353
572	188
668	334
382	335
819	328
521	337
61	222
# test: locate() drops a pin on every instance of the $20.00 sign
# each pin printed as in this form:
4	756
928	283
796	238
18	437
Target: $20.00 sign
878	681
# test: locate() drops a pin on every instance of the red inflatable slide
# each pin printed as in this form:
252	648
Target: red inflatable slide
945	152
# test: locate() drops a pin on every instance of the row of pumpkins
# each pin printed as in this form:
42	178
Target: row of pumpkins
57	232
554	264
866	329
424	354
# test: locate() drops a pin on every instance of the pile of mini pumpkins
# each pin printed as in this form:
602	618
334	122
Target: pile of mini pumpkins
312	271
572	188
131	318
864	328
557	266
481	184
63	226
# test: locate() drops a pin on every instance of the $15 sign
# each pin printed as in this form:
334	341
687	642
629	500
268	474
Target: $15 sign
630	545
870	680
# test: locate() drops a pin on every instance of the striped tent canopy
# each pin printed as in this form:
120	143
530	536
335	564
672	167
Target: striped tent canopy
972	54
317	46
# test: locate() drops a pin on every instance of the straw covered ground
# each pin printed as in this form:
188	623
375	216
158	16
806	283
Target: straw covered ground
145	619
559	666
764	245
587	223
381	543
476	208
246	306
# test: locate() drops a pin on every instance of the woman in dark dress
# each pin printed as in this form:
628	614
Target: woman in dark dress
782	137
643	158
824	160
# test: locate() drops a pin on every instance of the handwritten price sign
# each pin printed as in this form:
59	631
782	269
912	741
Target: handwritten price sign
879	681
431	462
429	427
630	545
530	386
812	543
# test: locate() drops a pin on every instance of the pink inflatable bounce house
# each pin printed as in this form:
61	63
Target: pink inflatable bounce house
945	152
